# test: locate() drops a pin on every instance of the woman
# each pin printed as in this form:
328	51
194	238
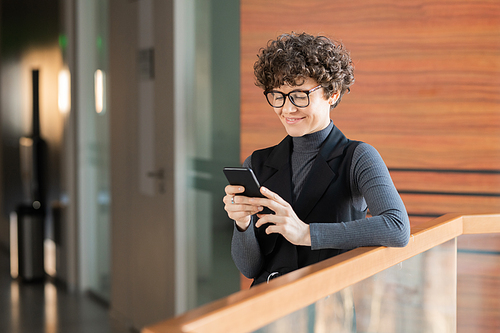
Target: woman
318	183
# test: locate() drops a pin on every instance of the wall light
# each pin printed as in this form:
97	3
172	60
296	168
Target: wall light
99	85
14	263
64	91
49	257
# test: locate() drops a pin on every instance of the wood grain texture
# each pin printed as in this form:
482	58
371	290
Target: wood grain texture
427	74
426	96
448	182
441	204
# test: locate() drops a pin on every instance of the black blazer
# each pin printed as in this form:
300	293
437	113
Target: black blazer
325	197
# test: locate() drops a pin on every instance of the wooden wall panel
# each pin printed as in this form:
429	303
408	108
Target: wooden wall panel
435	205
427	90
474	183
427	96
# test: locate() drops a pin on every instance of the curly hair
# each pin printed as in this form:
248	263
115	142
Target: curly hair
293	57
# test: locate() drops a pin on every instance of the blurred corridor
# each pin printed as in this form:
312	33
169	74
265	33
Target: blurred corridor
48	308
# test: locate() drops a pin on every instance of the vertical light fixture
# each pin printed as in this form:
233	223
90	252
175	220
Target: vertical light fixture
49	260
99	84
64	91
14	259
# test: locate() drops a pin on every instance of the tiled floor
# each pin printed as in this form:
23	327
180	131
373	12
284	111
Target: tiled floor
45	308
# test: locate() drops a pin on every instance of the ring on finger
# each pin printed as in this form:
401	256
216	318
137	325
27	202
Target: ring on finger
232	200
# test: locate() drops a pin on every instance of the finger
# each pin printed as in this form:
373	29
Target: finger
233	189
261	222
233	199
273	229
239	216
281	208
272	200
269	218
246	210
273	196
234	204
229	199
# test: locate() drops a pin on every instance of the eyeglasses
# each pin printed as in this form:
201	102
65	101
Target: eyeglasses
299	98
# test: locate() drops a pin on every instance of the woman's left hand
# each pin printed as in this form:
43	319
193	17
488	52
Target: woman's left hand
284	221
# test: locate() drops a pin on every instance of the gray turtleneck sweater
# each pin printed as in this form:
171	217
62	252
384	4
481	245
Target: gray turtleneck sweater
371	187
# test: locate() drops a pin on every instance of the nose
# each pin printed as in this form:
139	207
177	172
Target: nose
288	107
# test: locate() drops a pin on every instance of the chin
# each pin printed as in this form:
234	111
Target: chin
295	133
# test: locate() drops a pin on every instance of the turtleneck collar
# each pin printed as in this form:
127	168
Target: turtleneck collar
311	142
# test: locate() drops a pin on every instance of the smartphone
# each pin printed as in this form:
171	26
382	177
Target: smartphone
246	178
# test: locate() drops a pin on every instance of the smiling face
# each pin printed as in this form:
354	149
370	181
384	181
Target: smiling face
313	118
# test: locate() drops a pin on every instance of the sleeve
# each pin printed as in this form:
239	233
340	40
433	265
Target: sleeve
245	249
372	186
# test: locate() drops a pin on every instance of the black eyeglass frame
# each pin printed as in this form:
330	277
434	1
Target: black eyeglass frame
307	92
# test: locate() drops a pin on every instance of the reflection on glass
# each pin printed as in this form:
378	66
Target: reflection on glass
334	313
50	308
14	306
50	257
212	142
478	287
417	295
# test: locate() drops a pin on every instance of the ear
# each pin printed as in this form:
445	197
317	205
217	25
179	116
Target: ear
334	98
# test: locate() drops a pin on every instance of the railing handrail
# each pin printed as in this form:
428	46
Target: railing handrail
248	310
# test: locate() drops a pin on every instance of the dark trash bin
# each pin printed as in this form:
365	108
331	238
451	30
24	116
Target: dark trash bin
27	243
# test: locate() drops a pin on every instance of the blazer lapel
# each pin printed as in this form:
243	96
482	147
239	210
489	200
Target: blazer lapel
277	174
322	174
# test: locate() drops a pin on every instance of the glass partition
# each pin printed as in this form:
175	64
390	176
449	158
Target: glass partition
416	295
212	142
93	147
478	286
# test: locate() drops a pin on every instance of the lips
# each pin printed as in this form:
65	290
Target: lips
292	120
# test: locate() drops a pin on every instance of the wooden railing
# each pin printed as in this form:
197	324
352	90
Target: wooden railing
248	310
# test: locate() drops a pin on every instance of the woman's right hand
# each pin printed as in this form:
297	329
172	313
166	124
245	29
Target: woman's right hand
238	208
